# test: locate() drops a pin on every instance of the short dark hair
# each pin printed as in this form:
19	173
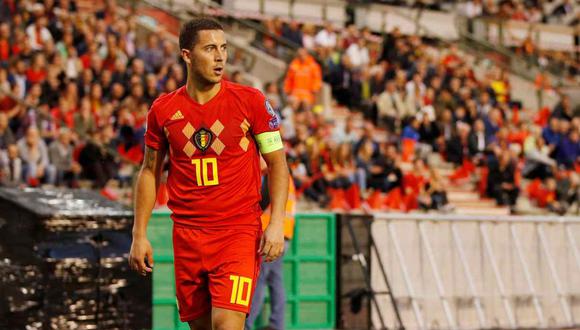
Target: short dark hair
189	30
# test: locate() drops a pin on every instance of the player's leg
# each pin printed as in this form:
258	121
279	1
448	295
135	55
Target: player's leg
191	281
202	323
226	319
233	266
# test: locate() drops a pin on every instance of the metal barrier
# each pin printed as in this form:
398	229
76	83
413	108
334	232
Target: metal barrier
453	271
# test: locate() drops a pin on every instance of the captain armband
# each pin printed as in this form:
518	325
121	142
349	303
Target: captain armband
269	141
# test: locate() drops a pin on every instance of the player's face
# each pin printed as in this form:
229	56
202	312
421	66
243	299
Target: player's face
208	57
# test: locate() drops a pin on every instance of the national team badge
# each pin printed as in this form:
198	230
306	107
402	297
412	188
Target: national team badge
203	139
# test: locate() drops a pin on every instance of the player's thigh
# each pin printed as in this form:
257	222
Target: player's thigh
227	319
191	280
202	323
234	270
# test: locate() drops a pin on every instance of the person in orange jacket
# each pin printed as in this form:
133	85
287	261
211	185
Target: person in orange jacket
271	273
304	78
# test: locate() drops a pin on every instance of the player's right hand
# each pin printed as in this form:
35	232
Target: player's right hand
141	250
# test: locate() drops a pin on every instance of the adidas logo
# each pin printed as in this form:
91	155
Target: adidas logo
177	115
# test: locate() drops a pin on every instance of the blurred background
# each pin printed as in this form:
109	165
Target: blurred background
433	145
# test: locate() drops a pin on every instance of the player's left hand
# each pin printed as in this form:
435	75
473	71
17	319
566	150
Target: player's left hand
272	242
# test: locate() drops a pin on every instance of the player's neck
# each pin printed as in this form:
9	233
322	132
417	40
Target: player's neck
201	93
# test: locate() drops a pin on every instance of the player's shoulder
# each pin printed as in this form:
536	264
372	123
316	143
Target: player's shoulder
163	105
242	91
166	99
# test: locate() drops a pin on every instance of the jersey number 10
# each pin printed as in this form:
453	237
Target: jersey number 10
203	167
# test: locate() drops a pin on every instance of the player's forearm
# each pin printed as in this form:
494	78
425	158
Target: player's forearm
278	189
145	196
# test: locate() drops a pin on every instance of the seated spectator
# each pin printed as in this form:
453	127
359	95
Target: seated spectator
358	54
60	153
568	149
391	108
429	132
11	167
130	153
83	120
434	196
551	134
411	132
478	141
501	181
563	110
385	173
292	32
97	160
34	154
538	163
6	136
457	147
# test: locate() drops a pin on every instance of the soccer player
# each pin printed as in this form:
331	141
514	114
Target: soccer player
214	132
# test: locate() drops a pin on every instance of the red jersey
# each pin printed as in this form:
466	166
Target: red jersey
214	165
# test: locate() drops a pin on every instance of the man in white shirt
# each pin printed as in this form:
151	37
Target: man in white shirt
38	34
358	54
326	37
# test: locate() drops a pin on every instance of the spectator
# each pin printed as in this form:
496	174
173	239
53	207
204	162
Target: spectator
303	79
6	135
568	149
38	34
308	37
292	32
151	54
97	160
390	107
34	154
326	38
411	131
478	141
358	54
83	120
11	167
563	109
60	154
501	182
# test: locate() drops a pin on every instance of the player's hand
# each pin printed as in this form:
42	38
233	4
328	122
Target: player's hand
272	242
141	249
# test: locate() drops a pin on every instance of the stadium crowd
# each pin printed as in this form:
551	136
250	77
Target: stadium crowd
426	98
74	94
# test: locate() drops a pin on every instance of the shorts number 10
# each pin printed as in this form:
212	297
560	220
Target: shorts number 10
241	290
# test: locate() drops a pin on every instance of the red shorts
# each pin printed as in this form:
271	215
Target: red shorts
215	267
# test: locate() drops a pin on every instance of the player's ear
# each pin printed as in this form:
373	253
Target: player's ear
185	55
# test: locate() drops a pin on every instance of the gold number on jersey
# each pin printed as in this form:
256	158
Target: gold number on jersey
239	288
202	171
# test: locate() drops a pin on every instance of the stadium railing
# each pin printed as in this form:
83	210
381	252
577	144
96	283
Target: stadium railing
453	271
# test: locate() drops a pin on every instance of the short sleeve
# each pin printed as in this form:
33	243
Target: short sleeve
263	118
154	137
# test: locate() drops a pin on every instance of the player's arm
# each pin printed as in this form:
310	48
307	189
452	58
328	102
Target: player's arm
272	245
145	196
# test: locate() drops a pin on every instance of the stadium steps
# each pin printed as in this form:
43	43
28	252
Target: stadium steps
463	195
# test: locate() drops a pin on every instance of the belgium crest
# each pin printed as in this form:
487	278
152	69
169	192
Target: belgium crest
203	139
